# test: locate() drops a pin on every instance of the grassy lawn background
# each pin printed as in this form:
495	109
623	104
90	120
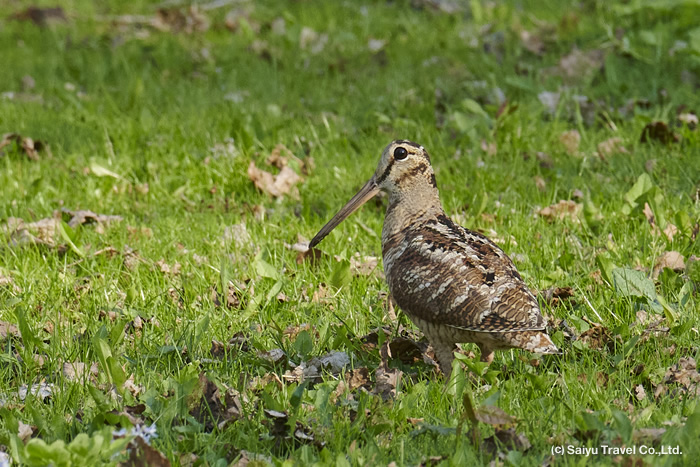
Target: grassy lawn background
171	315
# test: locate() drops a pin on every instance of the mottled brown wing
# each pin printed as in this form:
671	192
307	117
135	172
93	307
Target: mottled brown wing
448	275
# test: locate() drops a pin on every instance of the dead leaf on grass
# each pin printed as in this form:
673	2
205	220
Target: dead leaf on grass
232	300
671	260
278	424
363	265
40	16
312	41
682	379
41	232
143	454
660	132
562	210
639	392
187	20
8	282
165	268
26	144
79	371
278	185
509	439
386	379
578	66
611	147
88	217
8	330
689	119
556	295
238	236
334	362
358	378
532	42
41	391
494	416
24	431
273	356
304	253
570	140
238	16
597	337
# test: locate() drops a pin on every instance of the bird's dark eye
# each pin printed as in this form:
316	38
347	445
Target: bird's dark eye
400	153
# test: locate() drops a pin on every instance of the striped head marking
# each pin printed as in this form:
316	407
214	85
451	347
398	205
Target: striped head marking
404	169
404	166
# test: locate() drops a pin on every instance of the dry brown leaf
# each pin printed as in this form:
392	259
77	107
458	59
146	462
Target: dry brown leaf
8	330
579	66
7	281
363	265
358	378
386	379
570	140
556	295
235	17
670	231
671	260
597	337
87	217
232	299
532	42
494	416
490	148
275	185
562	210
540	183
30	147
143	454
238	235
78	371
165	268
688	118
41	232
660	132
175	20
304	253
639	392
25	431
509	440
40	16
684	377
311	40
280	155
611	147
273	356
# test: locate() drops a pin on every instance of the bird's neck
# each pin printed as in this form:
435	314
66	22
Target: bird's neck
410	208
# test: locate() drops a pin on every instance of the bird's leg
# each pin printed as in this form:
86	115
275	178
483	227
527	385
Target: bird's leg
486	353
445	355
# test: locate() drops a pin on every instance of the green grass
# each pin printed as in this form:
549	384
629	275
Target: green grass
150	106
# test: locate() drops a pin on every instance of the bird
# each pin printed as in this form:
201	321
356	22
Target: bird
455	284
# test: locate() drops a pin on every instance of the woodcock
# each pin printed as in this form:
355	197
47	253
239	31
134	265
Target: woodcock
456	285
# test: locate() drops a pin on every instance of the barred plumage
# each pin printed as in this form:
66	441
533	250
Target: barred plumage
456	285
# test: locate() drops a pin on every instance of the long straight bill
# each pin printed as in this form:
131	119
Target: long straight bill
366	193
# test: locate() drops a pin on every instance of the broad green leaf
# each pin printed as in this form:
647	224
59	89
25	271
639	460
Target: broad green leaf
63	230
473	107
101	171
630	282
341	275
265	269
303	344
641	186
606	267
